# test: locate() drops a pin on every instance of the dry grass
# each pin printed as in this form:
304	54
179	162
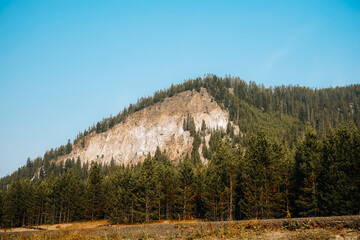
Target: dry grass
254	229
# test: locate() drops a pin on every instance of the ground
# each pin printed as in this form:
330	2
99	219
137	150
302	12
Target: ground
314	228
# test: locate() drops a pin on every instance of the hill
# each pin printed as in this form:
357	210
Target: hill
215	148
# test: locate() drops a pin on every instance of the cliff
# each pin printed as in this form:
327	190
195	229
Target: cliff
160	125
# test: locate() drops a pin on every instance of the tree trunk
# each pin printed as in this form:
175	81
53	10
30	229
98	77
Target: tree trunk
231	200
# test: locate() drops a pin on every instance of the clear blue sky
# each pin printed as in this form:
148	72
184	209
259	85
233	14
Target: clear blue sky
64	65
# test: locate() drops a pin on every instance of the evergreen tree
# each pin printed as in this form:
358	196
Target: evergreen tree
221	182
50	199
68	147
39	201
260	181
95	192
1	209
169	181
18	204
119	196
203	126
146	190
186	188
340	161
307	171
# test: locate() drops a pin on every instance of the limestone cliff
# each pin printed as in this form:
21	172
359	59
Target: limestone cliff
158	125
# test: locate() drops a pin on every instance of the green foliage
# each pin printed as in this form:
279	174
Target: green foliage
189	125
221	182
186	188
261	182
307	171
277	173
339	178
268	181
95	192
1	208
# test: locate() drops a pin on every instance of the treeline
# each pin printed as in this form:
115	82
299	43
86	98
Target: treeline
318	177
252	105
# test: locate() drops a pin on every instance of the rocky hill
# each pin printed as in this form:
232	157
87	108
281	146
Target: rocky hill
160	125
157	121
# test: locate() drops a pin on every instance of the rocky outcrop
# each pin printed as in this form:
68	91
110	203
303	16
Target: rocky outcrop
158	125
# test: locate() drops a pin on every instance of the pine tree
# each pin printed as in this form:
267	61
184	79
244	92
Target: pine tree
260	181
221	182
340	161
95	192
18	204
203	126
307	171
169	181
50	199
68	147
1	209
186	188
146	190
119	198
39	200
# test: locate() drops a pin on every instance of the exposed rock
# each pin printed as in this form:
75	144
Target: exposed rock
158	125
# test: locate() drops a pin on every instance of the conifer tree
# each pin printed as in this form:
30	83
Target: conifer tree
221	182
146	190
95	192
186	188
259	178
340	161
18	204
50	199
1	209
119	196
307	171
39	200
169	181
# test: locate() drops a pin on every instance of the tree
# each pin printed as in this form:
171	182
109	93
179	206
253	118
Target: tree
307	170
221	182
339	175
50	199
203	126
146	188
260	178
95	192
1	209
68	147
18	204
119	194
186	188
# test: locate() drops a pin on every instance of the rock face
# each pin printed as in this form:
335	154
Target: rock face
160	125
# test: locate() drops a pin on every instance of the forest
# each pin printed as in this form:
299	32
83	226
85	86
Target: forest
319	177
298	155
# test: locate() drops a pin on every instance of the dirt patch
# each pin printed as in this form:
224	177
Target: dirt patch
62	226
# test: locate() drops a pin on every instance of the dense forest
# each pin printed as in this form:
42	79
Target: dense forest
304	161
319	177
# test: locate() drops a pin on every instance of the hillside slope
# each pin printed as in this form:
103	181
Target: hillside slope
160	125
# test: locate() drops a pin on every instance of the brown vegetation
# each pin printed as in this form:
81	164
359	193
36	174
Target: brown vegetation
346	227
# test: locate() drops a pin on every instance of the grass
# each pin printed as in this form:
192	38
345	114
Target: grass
316	228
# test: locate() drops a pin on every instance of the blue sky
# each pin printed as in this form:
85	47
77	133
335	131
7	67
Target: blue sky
64	65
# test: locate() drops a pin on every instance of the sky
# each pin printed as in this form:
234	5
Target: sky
64	65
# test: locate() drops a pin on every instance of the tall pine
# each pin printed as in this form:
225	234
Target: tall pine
306	174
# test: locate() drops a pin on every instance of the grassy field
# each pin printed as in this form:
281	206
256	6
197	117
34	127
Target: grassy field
347	227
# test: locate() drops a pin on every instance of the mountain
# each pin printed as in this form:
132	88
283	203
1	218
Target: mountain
212	148
227	105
